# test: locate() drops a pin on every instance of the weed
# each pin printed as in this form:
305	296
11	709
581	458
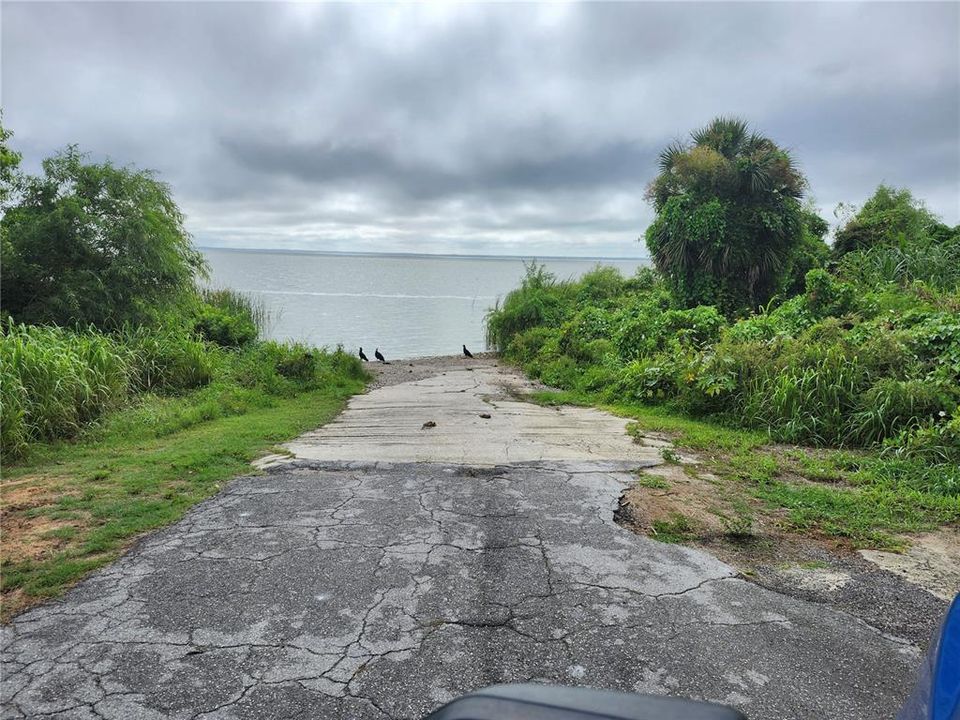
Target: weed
677	528
653	482
739	527
669	456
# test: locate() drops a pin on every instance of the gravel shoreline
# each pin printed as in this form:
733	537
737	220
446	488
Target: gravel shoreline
406	370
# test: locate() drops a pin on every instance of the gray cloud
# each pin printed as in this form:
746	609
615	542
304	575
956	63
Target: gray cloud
617	163
491	128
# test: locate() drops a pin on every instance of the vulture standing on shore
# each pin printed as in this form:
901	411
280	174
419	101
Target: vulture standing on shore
363	356
467	353
379	356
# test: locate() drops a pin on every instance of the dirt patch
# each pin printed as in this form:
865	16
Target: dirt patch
670	491
27	492
31	538
932	561
681	503
16	601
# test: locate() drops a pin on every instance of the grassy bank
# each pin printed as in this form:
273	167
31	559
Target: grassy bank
107	435
70	506
834	413
857	498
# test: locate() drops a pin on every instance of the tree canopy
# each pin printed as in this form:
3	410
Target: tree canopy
9	162
892	216
729	217
93	243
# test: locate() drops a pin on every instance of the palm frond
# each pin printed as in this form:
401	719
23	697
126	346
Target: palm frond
726	135
669	155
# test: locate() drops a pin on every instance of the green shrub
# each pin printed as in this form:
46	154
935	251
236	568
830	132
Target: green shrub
891	406
696	327
224	328
599	285
577	336
537	342
540	300
638	336
596	378
238	304
647	380
560	373
168	359
299	364
639	325
287	368
840	365
827	296
891	217
935	338
597	352
344	364
643	280
707	382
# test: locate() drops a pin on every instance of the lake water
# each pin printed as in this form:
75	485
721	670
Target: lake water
407	306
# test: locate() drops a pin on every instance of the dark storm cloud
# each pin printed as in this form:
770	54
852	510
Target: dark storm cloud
619	163
476	127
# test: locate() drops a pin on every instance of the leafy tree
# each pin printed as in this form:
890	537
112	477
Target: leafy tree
9	177
729	217
811	253
892	216
94	243
9	162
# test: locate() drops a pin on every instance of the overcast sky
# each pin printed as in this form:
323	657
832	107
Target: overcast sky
495	128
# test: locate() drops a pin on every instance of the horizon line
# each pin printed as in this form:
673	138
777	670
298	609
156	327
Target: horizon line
372	253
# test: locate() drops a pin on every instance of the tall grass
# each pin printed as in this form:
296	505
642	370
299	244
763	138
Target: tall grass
936	264
810	403
240	304
167	358
55	380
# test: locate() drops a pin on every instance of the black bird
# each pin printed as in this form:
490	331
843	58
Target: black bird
467	353
363	356
379	356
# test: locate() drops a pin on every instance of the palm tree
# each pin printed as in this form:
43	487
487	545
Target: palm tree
727	215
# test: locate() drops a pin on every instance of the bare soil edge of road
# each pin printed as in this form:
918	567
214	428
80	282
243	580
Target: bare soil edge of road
902	594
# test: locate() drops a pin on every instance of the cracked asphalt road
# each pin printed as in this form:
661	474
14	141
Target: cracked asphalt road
373	589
